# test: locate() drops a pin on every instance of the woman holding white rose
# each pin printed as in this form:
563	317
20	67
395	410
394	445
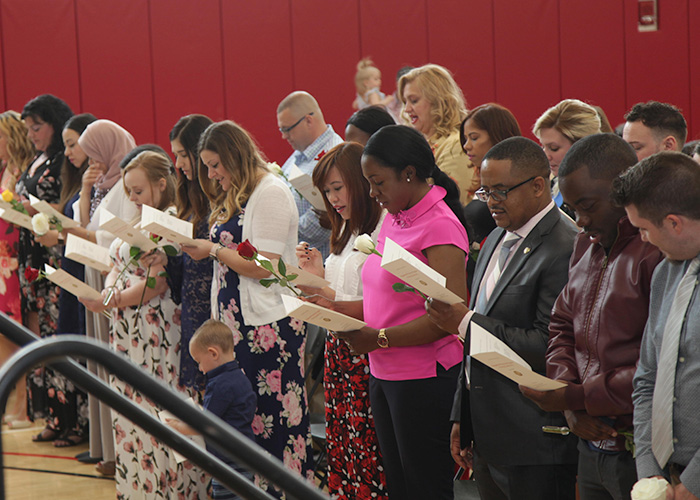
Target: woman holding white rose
251	203
355	469
145	327
414	364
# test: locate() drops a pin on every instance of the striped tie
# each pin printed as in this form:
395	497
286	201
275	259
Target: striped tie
490	283
662	402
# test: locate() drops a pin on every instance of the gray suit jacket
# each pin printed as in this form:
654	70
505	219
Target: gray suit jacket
505	426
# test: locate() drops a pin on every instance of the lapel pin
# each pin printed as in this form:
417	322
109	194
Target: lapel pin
527	250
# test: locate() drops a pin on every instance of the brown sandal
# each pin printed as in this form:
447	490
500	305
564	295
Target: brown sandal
67	439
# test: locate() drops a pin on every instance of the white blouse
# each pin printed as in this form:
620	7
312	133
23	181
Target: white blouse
344	271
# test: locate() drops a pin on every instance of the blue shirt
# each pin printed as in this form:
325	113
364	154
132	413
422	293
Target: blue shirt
686	405
229	395
310	229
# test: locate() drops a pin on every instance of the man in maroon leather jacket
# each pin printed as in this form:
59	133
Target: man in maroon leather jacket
598	320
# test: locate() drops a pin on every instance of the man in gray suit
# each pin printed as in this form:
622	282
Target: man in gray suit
520	271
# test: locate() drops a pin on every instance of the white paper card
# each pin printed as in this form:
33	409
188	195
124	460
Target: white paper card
47	209
17	218
88	253
407	267
304	278
169	227
198	439
304	184
320	316
121	229
494	353
70	283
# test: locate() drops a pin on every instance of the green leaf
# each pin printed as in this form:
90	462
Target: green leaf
283	282
151	282
402	287
163	274
9	229
282	268
266	264
170	250
134	252
266	282
292	277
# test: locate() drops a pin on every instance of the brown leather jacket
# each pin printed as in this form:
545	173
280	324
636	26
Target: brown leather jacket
597	325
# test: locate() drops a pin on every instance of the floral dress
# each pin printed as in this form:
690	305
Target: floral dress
271	356
9	263
45	389
146	469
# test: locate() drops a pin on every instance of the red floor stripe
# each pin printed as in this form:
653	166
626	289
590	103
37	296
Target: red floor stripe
36	455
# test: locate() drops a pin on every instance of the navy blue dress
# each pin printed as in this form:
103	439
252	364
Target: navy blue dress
271	357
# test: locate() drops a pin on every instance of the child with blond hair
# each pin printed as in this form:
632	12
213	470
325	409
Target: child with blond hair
228	394
368	79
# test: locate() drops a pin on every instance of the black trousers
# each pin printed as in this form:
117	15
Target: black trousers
412	420
524	482
603	476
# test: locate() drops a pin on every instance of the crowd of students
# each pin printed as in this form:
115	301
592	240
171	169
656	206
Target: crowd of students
404	402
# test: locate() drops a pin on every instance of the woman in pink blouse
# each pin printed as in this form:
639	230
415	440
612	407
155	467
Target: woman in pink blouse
413	364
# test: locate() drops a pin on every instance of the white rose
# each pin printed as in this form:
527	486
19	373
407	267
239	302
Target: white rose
650	488
364	244
274	168
40	224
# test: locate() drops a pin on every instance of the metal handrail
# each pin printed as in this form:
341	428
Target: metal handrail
224	438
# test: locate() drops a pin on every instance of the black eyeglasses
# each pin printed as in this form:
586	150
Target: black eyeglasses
286	130
499	194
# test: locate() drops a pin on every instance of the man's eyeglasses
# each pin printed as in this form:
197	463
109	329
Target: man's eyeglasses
286	130
499	194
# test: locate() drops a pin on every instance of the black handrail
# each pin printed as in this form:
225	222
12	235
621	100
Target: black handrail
226	439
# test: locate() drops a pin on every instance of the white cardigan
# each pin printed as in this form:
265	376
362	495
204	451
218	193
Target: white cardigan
270	223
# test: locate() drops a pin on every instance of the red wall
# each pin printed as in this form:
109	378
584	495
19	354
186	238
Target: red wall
145	63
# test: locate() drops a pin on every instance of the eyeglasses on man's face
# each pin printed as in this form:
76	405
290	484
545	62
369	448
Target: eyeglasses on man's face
499	194
286	130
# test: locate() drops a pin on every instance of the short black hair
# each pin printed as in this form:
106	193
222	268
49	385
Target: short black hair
664	183
524	154
371	119
52	110
664	119
605	156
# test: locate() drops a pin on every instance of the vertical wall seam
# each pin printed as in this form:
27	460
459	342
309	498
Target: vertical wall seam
153	70
427	31
6	105
77	55
360	48
291	45
559	51
689	113
493	50
223	59
624	56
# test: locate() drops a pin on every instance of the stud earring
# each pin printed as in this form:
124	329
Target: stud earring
408	179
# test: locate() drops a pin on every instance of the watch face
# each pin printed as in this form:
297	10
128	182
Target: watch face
382	340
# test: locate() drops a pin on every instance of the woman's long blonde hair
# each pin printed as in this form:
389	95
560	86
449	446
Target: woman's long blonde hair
241	158
448	106
19	148
156	167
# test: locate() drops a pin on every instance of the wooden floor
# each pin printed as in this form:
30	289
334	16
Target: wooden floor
42	472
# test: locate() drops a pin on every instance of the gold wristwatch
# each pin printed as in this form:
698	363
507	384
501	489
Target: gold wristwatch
382	339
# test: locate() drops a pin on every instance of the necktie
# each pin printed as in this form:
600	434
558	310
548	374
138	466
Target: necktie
486	290
662	401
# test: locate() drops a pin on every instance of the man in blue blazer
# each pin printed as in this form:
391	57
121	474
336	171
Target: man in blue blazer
520	271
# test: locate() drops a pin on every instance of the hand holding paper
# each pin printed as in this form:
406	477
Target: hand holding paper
497	355
320	316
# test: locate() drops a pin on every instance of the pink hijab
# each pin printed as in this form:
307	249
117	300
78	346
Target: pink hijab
108	143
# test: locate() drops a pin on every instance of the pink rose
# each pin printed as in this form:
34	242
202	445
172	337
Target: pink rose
266	337
258	425
274	380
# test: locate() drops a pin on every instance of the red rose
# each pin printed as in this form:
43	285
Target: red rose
30	274
246	250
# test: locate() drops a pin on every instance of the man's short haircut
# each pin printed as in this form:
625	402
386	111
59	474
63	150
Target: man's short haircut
664	183
663	119
300	103
605	156
213	333
690	147
525	156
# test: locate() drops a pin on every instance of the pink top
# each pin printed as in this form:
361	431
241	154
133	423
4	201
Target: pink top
428	223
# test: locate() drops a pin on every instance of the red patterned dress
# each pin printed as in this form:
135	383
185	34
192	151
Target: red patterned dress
355	469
